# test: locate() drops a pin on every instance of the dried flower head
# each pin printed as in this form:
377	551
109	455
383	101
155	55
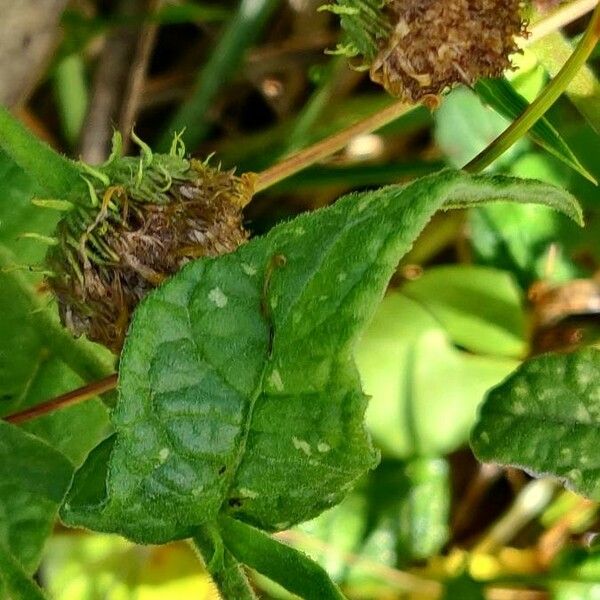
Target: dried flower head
143	220
436	44
422	47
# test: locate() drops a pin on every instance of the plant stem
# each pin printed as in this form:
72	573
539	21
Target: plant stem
309	156
226	572
543	102
69	399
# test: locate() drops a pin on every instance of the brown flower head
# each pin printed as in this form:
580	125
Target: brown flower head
435	44
144	219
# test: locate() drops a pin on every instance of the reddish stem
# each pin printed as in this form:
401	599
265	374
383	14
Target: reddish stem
69	399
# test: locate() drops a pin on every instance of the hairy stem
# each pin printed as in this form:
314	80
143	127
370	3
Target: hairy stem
543	102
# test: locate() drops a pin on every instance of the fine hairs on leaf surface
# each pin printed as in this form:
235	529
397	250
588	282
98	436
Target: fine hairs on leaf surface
544	419
238	389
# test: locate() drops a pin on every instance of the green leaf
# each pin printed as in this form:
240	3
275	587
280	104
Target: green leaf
424	392
464	127
500	95
465	588
33	481
54	174
283	564
14	582
480	308
544	418
238	389
517	238
575	575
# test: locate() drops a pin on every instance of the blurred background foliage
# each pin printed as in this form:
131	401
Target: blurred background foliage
479	292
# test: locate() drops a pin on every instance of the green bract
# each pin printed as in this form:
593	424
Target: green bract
238	388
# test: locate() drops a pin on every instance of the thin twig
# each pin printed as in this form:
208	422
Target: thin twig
558	19
69	399
309	156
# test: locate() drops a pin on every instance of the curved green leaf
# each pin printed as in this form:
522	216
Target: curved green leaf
33	481
283	564
238	388
424	391
14	582
544	418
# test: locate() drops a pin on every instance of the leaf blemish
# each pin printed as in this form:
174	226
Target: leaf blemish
163	455
583	414
341	277
246	493
276	381
518	408
217	297
248	269
323	447
302	445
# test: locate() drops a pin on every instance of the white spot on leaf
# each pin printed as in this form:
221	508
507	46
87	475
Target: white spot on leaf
302	445
518	408
246	493
217	297
248	269
276	381
323	447
163	454
342	277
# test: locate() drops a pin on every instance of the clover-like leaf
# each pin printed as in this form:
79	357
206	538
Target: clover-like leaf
238	388
544	418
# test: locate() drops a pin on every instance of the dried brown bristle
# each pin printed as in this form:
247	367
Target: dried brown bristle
435	44
109	259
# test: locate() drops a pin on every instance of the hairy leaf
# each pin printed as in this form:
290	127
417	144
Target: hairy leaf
238	389
33	481
544	418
